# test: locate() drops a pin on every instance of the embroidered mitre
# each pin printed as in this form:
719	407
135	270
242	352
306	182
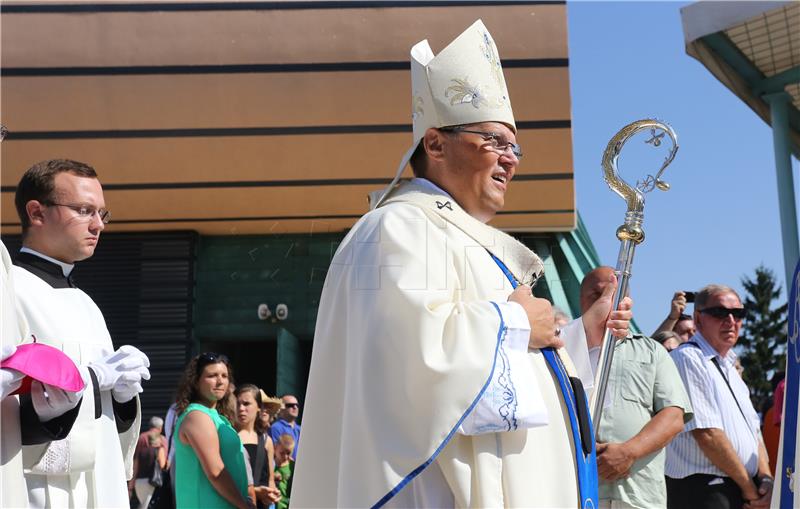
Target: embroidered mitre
463	84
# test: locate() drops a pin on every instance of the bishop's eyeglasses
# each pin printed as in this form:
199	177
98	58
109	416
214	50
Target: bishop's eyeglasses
496	141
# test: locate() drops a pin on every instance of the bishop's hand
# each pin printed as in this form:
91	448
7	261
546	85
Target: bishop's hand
540	316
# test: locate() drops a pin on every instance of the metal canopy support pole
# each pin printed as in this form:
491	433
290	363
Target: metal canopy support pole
779	107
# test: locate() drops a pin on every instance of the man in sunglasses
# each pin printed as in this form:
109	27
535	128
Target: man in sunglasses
287	422
437	379
61	207
719	460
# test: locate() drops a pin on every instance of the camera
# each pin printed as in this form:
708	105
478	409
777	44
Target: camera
689	296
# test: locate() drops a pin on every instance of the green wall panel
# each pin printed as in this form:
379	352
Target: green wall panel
290	376
235	274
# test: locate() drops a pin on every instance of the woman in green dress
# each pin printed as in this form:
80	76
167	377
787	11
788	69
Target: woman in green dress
209	460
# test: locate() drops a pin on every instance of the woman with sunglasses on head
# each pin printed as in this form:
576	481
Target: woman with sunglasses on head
209	463
257	443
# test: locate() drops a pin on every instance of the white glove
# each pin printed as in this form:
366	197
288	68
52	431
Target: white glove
50	402
6	351
128	365
10	379
129	385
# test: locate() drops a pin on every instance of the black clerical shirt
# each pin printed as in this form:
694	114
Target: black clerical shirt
49	272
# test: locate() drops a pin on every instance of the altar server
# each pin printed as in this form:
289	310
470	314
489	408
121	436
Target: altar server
62	210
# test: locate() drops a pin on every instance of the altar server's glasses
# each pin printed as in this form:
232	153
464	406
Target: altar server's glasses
84	212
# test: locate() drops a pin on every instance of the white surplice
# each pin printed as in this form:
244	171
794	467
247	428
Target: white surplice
410	339
90	467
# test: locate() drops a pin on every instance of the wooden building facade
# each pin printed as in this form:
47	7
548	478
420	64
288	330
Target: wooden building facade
237	142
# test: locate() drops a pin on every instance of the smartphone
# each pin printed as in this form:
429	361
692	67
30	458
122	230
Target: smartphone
689	296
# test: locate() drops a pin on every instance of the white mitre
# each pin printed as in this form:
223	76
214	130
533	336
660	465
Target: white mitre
463	84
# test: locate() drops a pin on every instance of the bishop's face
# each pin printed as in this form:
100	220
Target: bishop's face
478	175
66	235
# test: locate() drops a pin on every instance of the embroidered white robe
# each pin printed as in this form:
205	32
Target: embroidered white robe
406	339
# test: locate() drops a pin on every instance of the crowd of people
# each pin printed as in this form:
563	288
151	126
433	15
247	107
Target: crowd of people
437	378
227	445
647	452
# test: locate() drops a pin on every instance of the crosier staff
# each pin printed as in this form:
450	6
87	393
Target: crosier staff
630	233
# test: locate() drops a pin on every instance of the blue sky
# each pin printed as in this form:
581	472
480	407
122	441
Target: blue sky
720	220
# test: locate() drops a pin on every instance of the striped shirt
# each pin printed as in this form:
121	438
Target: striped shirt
714	407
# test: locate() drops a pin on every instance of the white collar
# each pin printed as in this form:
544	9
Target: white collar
66	268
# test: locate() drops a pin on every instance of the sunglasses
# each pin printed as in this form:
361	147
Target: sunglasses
291	405
723	312
204	359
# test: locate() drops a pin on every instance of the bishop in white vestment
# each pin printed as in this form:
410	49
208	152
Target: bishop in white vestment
424	390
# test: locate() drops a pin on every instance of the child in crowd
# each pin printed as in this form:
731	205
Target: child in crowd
284	468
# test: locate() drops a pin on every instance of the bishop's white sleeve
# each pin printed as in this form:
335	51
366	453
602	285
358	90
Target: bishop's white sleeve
511	400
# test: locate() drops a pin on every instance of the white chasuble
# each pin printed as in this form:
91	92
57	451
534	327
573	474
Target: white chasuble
414	338
90	467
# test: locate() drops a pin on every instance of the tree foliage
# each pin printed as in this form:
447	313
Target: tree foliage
763	339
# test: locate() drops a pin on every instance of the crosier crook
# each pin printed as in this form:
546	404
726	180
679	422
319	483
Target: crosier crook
630	233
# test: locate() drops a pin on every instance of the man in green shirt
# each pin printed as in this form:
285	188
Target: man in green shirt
646	406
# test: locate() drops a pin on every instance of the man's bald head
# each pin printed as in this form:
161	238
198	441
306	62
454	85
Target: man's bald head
593	285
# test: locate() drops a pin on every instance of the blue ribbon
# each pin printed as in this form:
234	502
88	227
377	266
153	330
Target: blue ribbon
791	397
586	463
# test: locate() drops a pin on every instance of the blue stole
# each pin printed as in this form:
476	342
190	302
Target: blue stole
586	463
788	499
